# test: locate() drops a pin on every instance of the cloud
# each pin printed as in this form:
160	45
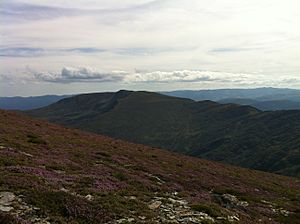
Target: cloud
84	74
5	78
37	52
234	49
171	76
15	12
290	80
139	51
85	77
85	50
69	74
21	52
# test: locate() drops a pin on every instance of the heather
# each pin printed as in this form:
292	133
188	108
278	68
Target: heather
61	175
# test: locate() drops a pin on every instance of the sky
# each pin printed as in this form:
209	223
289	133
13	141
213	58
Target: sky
63	47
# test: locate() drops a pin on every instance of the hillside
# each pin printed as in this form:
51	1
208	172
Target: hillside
28	103
234	134
52	174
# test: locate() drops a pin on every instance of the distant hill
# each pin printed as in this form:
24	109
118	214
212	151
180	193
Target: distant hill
260	94
52	174
261	98
265	105
28	103
239	135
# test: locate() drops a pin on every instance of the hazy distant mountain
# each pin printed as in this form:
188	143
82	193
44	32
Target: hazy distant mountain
240	135
265	105
260	94
260	98
28	103
54	174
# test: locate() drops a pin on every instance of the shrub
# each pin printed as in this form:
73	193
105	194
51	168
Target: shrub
8	161
120	176
9	219
70	207
35	139
209	208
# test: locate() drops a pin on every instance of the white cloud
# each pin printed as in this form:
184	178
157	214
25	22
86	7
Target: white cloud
173	76
144	77
69	74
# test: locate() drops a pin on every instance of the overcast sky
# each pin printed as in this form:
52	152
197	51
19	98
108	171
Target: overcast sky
58	47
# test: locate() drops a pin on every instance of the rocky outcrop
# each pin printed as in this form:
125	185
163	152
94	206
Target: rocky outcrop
230	201
171	208
174	209
20	211
6	201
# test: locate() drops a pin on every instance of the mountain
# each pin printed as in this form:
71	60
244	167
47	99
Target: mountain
53	174
266	98
239	135
28	103
265	105
261	94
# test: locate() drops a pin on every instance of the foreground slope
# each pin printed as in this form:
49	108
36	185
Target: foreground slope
52	174
240	135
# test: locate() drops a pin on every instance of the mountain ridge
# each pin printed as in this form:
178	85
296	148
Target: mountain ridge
222	132
264	93
261	98
271	105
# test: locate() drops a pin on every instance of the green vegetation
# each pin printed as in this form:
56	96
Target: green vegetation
7	161
120	176
211	209
35	139
290	219
239	135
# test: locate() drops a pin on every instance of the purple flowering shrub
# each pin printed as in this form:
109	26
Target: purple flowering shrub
55	168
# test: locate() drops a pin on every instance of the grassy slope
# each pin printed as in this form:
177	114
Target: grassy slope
38	159
239	135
